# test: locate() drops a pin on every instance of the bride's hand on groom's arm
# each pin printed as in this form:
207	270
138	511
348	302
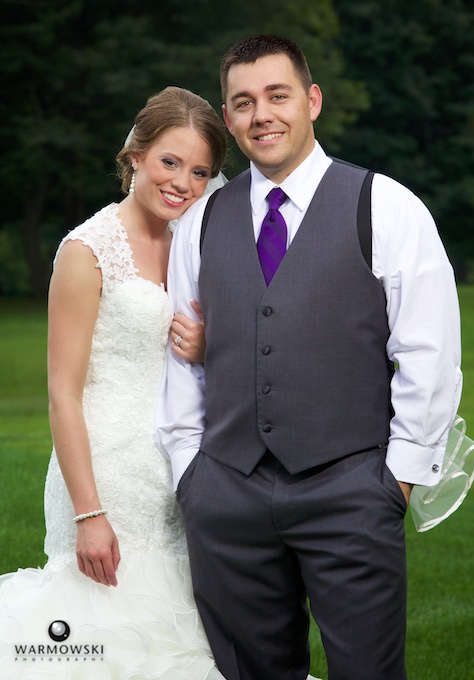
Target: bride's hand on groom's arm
187	335
97	550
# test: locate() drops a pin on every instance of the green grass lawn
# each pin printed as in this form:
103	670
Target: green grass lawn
25	441
440	562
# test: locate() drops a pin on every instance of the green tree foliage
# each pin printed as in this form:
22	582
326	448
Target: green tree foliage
75	74
417	61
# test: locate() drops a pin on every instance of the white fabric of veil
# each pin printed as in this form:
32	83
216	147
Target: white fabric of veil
431	505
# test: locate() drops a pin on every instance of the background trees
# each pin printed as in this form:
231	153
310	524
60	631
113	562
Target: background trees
397	79
417	62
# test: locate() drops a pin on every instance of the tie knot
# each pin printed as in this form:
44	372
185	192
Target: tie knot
276	197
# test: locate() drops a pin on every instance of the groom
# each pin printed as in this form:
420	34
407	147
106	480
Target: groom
295	449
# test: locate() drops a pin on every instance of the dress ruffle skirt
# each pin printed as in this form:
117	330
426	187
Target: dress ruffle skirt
146	628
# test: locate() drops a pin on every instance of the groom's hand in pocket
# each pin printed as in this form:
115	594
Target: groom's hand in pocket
406	490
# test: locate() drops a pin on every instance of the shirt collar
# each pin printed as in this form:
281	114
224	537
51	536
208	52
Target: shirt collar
299	186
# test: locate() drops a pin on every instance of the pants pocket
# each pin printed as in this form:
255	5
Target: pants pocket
186	477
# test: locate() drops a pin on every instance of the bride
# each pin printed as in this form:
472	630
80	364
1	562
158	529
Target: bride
115	599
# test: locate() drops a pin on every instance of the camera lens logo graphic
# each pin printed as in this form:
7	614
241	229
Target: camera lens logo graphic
59	631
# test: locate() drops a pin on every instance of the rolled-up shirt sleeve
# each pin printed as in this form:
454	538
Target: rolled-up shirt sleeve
180	415
424	323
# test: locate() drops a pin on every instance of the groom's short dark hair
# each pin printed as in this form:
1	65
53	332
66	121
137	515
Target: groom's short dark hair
247	51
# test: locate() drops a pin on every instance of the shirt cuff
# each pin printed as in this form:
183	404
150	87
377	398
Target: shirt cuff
415	464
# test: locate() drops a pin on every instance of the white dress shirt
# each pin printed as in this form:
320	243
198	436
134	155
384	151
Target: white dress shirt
422	309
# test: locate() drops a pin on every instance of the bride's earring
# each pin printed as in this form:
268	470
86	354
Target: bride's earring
131	188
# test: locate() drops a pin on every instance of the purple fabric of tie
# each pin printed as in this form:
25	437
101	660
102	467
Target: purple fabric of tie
271	244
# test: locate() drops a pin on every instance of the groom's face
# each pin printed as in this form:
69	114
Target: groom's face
271	114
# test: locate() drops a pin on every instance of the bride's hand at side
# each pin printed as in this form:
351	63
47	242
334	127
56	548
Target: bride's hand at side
97	550
191	345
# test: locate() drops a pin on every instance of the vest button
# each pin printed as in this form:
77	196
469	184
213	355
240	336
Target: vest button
266	350
435	468
267	428
267	311
266	389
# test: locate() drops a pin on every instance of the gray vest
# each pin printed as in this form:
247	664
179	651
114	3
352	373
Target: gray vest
300	367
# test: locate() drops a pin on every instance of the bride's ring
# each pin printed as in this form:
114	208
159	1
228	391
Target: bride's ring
177	340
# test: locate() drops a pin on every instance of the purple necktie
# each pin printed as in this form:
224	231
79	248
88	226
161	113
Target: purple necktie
271	244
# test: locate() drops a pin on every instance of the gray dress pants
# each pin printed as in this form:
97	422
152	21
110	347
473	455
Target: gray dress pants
262	546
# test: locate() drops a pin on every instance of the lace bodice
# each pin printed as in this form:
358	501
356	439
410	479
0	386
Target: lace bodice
124	375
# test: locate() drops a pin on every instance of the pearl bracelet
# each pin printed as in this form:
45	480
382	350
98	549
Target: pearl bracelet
86	515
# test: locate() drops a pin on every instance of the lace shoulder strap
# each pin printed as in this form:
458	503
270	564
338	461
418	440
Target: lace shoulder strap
106	237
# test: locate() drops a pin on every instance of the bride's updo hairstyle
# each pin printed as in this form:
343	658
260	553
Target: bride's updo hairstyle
173	107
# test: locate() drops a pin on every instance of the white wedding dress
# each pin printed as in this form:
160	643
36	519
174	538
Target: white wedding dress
147	627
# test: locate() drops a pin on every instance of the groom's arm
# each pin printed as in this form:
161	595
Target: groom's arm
424	342
180	416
